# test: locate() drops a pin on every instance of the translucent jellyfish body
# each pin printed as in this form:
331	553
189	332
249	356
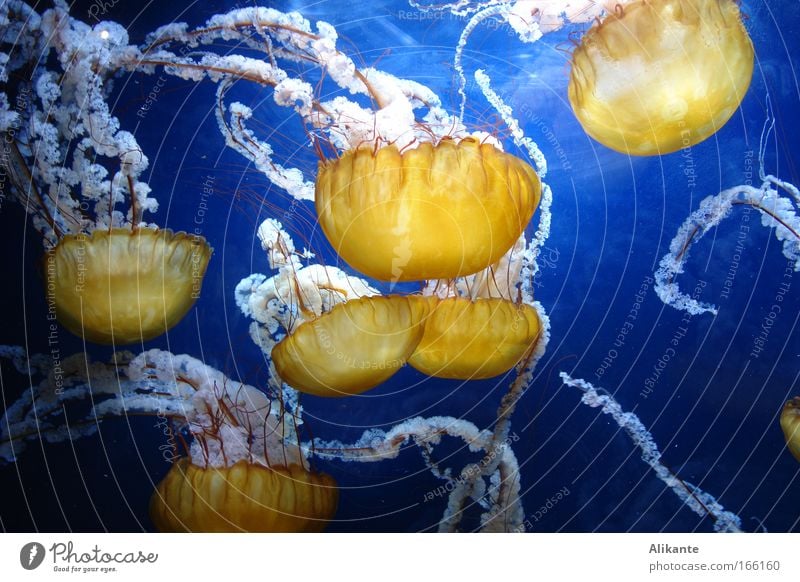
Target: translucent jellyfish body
362	343
790	423
354	347
243	498
123	286
471	340
436	211
660	75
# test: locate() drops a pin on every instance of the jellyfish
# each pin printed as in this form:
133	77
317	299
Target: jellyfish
245	469
110	277
471	340
436	211
775	200
330	334
356	346
244	497
790	424
401	195
454	203
381	119
656	76
337	334
123	286
362	343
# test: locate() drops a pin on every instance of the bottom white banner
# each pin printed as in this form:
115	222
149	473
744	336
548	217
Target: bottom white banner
389	557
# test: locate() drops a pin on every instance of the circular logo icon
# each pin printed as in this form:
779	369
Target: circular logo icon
31	555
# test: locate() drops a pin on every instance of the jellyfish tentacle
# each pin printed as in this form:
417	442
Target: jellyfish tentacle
504	514
696	499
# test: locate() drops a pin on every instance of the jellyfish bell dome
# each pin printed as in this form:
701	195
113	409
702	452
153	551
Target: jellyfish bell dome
435	211
362	343
790	424
123	285
356	346
656	76
244	497
472	340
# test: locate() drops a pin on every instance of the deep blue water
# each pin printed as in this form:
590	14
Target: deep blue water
713	410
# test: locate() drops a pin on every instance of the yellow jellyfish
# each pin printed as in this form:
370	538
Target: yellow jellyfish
364	342
471	340
354	347
433	212
790	423
243	498
656	76
124	285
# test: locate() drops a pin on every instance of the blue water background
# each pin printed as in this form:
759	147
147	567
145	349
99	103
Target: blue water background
713	410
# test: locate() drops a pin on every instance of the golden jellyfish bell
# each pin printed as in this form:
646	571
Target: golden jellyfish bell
433	212
660	75
352	348
123	286
243	498
790	423
470	340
